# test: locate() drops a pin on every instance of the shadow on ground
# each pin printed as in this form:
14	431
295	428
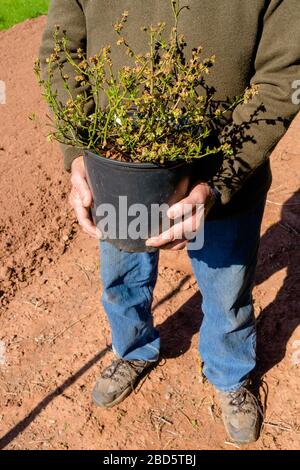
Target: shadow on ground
275	324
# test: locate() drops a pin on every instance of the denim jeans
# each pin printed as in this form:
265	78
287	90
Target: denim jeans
224	269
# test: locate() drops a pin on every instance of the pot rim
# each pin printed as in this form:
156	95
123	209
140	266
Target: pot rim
152	166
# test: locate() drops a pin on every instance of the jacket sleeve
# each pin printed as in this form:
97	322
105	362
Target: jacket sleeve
276	68
69	16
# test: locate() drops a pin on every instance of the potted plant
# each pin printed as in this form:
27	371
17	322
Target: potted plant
160	117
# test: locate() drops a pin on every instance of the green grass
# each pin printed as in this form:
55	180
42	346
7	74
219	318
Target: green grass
16	11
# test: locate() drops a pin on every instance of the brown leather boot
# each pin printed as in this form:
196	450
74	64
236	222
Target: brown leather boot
241	414
118	380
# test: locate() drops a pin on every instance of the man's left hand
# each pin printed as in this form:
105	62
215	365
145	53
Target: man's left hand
175	238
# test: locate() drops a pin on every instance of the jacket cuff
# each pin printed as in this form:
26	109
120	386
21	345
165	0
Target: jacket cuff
222	194
70	154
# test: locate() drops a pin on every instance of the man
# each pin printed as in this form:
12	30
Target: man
254	42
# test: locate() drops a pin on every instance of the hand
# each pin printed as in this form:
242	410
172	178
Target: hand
192	208
81	198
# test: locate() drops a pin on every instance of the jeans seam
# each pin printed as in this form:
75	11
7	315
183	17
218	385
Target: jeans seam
234	388
147	293
253	344
149	346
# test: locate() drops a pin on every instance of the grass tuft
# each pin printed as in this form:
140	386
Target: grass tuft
16	11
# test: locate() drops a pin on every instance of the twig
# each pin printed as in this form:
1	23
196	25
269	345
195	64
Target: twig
83	269
283	203
39	441
39	384
187	417
68	327
161	418
232	444
289	228
168	443
210	410
172	432
273	190
280	426
7	392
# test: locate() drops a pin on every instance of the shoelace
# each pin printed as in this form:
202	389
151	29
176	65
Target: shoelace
239	398
118	366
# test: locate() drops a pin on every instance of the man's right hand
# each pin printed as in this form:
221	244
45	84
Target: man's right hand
81	198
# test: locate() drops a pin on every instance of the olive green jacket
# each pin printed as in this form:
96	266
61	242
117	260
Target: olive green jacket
255	42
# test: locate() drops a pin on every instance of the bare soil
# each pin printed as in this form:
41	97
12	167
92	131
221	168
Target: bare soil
54	333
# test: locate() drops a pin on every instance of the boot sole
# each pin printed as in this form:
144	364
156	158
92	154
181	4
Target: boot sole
118	400
251	440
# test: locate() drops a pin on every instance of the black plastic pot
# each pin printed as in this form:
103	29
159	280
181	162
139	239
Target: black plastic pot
113	183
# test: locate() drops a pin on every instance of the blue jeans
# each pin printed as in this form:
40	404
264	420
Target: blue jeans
224	269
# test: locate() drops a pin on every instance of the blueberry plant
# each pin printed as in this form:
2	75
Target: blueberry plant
159	108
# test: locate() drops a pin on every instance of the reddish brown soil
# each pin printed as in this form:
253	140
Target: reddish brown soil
54	332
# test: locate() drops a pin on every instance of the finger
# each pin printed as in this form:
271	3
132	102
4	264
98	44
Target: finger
84	220
80	184
186	206
175	245
172	234
181	209
184	230
163	239
86	224
191	225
